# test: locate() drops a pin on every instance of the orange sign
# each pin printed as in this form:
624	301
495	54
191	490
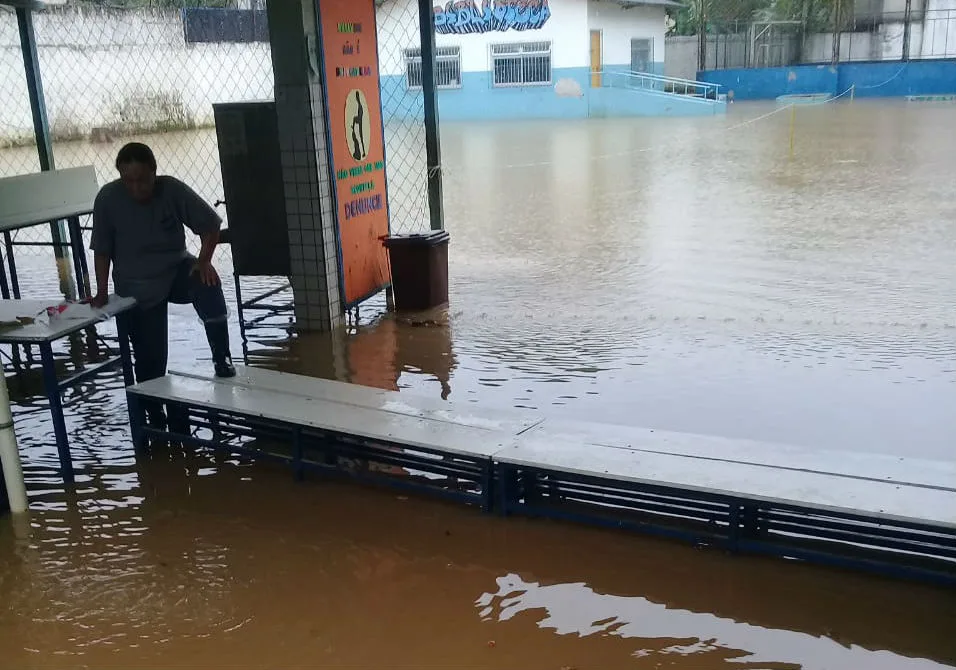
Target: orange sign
354	112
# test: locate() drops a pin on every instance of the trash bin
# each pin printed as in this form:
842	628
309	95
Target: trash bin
419	265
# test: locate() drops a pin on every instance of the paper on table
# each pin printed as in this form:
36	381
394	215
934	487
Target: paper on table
79	310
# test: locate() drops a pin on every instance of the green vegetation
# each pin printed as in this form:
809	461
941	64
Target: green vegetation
712	16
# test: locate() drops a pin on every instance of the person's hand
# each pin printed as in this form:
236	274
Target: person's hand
100	299
207	273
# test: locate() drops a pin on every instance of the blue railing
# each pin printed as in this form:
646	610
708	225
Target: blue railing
660	84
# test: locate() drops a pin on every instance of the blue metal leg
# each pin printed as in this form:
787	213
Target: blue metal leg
505	481
297	453
242	319
137	421
52	386
79	258
126	358
736	527
216	429
487	486
4	287
11	262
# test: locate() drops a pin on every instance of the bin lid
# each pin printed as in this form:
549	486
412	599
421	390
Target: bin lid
431	238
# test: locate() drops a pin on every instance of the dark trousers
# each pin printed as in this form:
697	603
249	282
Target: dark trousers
149	327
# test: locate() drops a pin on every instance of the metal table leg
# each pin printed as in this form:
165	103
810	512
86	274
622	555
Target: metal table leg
126	358
52	386
242	319
79	258
4	286
137	414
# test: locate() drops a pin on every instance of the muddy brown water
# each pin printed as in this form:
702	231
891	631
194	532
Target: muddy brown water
681	274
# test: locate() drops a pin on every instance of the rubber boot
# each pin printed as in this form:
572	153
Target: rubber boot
218	336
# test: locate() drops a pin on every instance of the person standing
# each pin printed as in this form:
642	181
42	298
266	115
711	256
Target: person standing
138	229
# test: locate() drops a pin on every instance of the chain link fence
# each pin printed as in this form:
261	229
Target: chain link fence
399	52
710	35
18	151
115	74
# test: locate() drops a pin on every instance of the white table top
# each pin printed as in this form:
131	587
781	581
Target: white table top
40	331
32	199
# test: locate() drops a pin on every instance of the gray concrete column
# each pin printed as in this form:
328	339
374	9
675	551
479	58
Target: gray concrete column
300	107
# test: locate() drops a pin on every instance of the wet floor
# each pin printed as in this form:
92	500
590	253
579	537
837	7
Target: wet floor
681	274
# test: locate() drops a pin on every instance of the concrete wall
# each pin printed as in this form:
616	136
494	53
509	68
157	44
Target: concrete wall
818	47
680	56
879	79
938	36
123	70
619	25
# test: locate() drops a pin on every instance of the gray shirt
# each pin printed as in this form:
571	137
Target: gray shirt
146	241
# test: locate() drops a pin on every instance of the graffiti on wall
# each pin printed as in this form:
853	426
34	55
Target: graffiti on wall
464	17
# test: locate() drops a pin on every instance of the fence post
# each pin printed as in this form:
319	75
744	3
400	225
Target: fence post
907	15
426	20
835	41
41	130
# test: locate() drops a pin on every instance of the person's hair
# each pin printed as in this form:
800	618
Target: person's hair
136	152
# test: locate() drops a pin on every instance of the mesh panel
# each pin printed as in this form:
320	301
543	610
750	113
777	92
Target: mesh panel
756	33
18	151
399	51
115	74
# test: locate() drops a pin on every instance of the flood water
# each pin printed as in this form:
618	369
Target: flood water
685	274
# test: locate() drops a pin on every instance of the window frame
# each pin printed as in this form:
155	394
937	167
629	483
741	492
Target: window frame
650	53
446	54
521	52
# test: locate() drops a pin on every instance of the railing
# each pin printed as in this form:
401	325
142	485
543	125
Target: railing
660	83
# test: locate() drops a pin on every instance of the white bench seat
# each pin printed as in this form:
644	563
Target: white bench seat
880	467
326	415
392	402
818	491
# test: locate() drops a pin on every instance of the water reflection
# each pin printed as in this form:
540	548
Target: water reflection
704	639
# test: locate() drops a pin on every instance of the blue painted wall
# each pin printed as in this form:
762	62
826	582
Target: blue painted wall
870	79
771	82
927	77
478	100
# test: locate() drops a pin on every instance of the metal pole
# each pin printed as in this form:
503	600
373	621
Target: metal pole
907	16
41	131
426	22
10	455
837	27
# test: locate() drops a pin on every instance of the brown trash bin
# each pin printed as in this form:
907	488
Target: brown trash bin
419	265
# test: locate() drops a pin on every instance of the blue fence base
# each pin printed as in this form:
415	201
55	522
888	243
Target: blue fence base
867	79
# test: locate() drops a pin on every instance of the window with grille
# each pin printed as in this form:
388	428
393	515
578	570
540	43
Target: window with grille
642	54
523	64
447	67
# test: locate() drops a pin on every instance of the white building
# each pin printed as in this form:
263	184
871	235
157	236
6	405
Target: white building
501	59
